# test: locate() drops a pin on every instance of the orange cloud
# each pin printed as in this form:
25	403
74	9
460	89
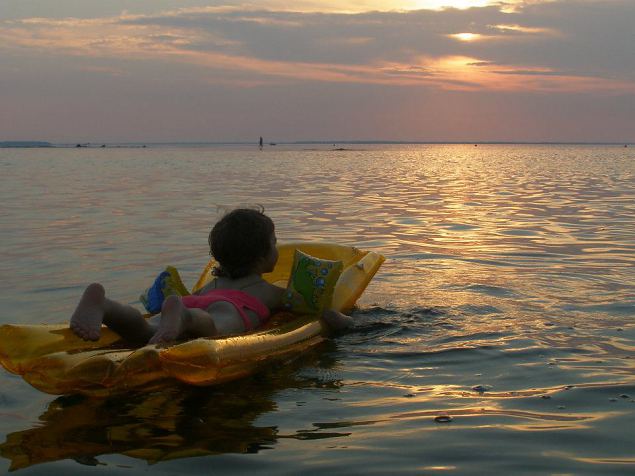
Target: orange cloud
467	36
116	39
523	29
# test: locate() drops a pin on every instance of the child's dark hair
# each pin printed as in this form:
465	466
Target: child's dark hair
238	240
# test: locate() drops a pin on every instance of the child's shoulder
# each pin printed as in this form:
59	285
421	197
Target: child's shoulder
270	294
272	289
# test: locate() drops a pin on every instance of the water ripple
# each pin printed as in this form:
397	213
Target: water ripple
505	303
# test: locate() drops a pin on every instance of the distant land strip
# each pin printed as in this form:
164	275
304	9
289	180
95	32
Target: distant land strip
95	145
8	144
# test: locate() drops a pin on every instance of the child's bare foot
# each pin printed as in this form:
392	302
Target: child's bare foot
172	320
89	314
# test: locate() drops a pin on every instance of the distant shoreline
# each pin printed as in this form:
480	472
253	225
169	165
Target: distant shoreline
24	144
337	144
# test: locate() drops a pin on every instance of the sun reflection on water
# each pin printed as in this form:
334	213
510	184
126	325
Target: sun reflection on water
509	271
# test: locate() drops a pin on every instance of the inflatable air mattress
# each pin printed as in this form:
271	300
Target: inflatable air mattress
54	360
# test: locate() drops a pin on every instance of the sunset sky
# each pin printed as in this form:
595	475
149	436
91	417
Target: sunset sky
426	70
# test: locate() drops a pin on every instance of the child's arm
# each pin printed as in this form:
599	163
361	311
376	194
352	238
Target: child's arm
336	321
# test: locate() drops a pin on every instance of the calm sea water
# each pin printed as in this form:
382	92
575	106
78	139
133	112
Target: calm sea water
507	301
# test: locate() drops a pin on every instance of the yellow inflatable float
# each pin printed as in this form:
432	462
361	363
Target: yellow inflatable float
54	360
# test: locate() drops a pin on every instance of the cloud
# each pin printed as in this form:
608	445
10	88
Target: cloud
552	40
192	63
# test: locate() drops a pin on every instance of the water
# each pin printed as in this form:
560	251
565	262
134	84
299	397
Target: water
507	301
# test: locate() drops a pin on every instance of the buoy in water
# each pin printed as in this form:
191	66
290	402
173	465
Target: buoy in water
480	388
443	418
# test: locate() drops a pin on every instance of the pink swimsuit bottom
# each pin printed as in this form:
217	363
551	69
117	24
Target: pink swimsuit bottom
240	299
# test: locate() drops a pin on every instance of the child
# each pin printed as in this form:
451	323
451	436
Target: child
238	300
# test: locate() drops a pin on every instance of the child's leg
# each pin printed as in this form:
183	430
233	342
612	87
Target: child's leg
128	322
94	308
87	318
177	322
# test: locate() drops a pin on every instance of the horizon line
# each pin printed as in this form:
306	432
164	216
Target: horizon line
97	144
